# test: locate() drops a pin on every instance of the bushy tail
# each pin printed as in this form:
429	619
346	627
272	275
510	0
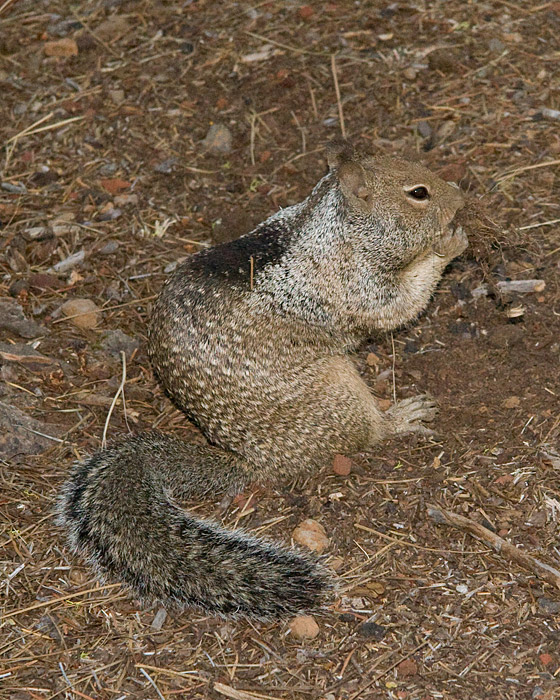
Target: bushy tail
119	512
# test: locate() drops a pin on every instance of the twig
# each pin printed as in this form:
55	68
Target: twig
119	391
295	49
507	550
230	692
338	101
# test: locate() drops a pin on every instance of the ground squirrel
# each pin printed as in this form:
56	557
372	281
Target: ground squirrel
251	340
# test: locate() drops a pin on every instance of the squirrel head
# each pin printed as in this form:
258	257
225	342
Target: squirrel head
403	195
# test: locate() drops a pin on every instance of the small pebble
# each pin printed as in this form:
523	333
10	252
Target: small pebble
166	166
551	607
61	48
496	45
115	342
550	113
88	312
424	129
371	630
407	667
511	402
17	287
43	281
50	626
342	465
442	60
12	188
312	535
159	619
122	199
304	627
69	262
218	139
13	320
109	248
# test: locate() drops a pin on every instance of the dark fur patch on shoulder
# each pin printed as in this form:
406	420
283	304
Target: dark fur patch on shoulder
232	260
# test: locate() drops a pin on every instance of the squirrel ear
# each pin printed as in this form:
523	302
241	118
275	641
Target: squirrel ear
352	180
339	151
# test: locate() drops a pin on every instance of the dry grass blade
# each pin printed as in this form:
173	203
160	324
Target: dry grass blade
60	599
337	92
508	174
30	131
119	392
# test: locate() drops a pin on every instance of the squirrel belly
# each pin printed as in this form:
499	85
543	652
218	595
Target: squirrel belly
252	340
120	512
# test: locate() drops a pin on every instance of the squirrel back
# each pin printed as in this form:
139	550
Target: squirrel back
251	340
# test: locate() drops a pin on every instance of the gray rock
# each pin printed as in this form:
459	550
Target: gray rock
371	630
166	166
115	342
21	434
12	188
550	607
49	624
13	320
69	262
550	113
424	129
218	139
496	45
109	248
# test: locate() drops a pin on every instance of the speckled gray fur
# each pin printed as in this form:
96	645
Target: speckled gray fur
251	339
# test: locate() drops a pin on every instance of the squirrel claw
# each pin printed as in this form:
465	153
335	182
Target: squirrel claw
408	415
452	243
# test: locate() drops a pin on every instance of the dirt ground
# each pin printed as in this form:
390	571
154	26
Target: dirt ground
104	111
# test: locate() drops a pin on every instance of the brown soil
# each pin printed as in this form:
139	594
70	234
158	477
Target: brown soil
469	89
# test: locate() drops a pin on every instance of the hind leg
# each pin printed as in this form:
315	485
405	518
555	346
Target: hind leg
327	409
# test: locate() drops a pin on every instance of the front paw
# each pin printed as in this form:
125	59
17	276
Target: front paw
451	244
408	416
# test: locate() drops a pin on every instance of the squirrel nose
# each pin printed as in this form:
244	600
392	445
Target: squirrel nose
450	208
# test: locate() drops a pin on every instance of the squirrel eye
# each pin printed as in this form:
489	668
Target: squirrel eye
419	192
